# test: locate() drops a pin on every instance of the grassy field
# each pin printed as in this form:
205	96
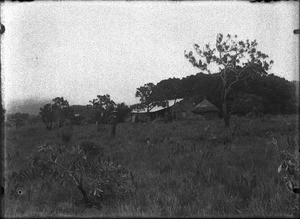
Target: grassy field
186	168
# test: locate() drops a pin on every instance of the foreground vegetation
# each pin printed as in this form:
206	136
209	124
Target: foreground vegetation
187	168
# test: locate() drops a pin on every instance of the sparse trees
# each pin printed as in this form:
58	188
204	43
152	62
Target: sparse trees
103	104
236	61
59	109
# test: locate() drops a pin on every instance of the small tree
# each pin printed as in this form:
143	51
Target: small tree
122	111
236	61
62	109
86	166
103	105
48	115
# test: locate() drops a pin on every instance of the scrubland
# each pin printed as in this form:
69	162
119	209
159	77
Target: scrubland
186	168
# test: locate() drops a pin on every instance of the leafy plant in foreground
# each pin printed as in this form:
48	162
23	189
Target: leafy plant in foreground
96	177
290	170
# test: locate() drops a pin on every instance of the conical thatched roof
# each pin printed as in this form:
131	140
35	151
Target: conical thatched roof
205	106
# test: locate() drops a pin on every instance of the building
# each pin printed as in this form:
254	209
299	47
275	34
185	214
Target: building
156	113
206	109
183	109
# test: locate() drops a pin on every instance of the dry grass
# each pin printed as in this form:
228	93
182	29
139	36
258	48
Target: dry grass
187	168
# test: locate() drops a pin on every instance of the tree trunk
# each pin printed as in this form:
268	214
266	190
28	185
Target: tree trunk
83	192
225	114
48	127
61	122
45	122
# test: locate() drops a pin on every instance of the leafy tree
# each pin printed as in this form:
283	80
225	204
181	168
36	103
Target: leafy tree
122	112
172	88
278	95
48	115
103	104
236	61
151	96
138	107
62	109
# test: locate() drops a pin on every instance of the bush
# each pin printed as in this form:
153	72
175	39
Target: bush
91	149
96	177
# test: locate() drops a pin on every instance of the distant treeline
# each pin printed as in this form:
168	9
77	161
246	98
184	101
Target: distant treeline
268	94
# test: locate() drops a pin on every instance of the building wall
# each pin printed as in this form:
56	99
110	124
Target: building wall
138	117
209	115
182	110
178	111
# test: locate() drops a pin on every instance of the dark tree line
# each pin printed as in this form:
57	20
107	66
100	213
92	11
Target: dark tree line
270	94
98	109
236	60
242	84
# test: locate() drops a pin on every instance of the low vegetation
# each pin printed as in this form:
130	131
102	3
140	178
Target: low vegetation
186	168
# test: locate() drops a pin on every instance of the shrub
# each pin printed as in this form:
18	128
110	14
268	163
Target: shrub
97	179
91	150
290	171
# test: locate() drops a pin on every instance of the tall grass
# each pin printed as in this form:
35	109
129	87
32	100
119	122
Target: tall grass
187	168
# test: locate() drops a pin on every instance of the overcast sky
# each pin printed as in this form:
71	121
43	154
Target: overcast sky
79	50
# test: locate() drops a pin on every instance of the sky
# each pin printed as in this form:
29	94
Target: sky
79	50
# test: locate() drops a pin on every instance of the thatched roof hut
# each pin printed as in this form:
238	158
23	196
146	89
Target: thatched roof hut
206	109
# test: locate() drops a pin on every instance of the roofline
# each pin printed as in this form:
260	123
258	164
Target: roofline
177	100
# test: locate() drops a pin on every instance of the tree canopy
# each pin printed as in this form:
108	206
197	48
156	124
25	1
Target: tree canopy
151	96
235	60
275	94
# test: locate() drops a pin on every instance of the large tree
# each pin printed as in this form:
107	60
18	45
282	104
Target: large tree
151	96
172	88
235	60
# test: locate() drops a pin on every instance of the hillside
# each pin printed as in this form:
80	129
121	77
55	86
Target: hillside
30	106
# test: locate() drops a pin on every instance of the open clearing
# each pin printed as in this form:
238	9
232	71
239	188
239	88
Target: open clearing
186	168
